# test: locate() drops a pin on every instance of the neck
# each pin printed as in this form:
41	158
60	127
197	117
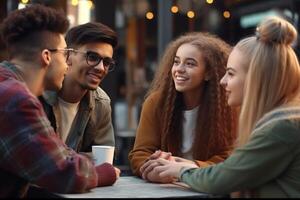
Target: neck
71	92
32	74
192	99
191	103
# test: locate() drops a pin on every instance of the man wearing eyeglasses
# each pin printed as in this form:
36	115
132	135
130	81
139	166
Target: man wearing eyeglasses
31	152
81	110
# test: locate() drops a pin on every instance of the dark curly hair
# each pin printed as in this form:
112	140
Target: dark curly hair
32	29
216	123
91	32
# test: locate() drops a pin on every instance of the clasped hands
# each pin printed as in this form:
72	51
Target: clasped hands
162	167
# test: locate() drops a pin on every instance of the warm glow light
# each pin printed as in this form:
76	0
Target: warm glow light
226	14
85	12
71	19
90	4
24	1
74	2
21	6
174	9
190	14
209	1
149	15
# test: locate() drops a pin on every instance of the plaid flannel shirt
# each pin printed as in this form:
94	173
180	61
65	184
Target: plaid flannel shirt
30	151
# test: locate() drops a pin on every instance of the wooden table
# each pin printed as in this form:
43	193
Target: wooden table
134	187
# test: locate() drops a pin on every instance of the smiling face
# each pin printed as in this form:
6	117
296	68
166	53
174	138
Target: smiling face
81	73
188	70
234	79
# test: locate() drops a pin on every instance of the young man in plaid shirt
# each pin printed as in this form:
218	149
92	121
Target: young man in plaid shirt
30	150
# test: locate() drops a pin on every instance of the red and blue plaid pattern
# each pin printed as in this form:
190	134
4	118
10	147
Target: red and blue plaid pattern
30	151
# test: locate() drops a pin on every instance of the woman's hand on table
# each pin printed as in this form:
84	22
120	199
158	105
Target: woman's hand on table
161	154
161	161
171	169
149	174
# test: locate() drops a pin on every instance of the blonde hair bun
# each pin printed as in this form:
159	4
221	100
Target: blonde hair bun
276	30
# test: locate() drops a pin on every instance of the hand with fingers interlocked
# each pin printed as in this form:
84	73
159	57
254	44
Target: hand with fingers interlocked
150	168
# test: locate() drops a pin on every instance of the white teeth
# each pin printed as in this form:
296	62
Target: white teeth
180	78
93	76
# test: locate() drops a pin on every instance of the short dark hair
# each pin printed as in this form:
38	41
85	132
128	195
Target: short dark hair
91	32
32	28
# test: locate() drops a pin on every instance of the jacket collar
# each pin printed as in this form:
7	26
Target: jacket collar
12	67
51	98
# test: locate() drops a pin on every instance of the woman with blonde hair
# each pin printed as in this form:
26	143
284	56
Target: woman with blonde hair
263	77
185	113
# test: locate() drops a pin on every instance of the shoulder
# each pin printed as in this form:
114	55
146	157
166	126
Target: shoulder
13	88
153	98
17	96
285	113
151	104
283	125
101	95
6	73
285	130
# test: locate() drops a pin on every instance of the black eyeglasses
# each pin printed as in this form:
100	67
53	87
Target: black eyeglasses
93	59
65	51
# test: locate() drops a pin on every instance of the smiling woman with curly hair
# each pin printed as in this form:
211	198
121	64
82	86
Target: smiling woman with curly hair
185	113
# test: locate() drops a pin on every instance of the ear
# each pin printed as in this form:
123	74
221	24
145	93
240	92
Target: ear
46	57
69	61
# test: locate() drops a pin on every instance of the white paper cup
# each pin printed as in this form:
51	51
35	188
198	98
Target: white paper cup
102	154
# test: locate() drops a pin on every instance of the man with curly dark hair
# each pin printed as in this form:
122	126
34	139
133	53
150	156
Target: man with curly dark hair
31	152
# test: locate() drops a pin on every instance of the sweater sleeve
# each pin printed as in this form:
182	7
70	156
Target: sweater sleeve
214	159
148	135
261	160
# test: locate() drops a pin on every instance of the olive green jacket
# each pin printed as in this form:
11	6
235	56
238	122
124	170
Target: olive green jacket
267	166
